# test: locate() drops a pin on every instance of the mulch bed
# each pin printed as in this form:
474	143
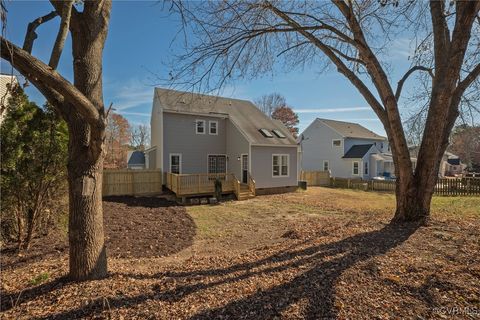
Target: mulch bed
138	227
135	227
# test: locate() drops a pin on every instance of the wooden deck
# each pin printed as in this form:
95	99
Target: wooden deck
199	184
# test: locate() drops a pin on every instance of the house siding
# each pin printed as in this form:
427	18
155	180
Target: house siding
262	167
180	137
151	159
156	137
236	145
317	147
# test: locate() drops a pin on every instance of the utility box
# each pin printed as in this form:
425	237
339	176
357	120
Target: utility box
302	185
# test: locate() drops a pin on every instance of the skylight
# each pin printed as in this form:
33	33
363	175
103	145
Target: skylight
265	133
279	134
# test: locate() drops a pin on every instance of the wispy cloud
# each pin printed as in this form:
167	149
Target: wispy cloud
401	48
131	94
331	110
362	119
140	114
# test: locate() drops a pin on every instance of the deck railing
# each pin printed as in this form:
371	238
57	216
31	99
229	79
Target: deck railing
202	183
251	184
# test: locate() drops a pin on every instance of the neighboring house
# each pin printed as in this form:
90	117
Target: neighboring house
5	79
135	160
198	134
450	166
347	150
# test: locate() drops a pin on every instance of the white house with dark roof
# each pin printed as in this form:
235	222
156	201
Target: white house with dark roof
198	134
347	150
450	165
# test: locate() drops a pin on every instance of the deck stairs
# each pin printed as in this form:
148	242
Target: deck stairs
245	192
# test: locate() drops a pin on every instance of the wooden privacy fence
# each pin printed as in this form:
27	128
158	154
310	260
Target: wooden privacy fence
131	182
444	186
315	178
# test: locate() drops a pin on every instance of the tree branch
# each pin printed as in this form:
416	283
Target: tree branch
441	33
66	12
42	76
342	68
31	35
346	57
406	75
467	81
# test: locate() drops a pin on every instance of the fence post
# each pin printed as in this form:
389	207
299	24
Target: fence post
133	182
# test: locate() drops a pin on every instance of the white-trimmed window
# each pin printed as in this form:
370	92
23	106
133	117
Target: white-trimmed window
336	142
365	168
217	163
213	127
200	126
176	163
355	167
280	165
326	165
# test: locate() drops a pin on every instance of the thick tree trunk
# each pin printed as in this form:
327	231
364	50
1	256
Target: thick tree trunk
88	259
413	203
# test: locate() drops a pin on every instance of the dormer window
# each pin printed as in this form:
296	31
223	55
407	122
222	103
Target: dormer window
200	126
266	133
279	134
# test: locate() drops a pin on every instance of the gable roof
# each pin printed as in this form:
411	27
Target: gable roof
357	151
244	114
454	161
136	158
351	130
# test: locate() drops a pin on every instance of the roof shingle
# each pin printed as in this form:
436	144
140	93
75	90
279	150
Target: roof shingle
248	118
357	151
351	130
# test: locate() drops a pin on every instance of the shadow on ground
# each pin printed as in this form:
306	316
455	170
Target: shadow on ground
321	266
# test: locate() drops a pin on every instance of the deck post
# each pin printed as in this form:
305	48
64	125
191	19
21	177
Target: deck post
178	184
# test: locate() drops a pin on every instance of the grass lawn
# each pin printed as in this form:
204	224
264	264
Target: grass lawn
320	253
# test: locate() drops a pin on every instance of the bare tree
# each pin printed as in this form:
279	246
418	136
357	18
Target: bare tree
269	102
241	38
81	105
140	137
117	137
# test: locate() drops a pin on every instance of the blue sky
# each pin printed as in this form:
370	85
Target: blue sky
139	42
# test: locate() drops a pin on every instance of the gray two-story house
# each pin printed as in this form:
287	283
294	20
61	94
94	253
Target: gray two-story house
347	150
193	134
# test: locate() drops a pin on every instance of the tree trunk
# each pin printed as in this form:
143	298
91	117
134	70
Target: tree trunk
413	203
88	258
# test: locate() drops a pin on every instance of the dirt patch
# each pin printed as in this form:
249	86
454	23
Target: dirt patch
135	227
